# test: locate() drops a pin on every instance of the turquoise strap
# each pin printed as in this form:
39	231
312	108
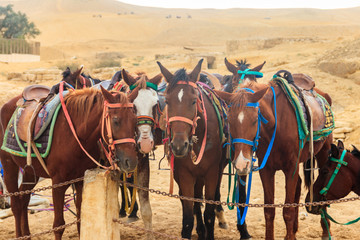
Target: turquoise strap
340	162
248	72
148	84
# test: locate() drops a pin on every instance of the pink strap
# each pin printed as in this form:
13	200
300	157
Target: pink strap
181	119
118	105
124	140
202	149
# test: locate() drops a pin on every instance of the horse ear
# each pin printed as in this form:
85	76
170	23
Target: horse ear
340	144
107	95
258	68
133	94
195	74
127	78
334	151
224	95
157	79
117	77
167	75
257	95
230	67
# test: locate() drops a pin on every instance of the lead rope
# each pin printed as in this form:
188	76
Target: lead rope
126	194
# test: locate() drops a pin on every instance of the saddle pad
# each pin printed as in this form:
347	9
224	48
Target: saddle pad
325	118
13	145
45	115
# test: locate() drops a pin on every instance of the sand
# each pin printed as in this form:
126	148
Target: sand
298	40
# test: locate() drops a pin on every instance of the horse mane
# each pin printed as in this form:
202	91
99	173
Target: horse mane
141	83
81	102
180	75
243	64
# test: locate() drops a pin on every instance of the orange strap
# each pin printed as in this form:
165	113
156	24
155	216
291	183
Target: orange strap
181	119
188	83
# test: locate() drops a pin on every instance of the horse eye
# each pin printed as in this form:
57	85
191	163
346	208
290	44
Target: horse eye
194	102
116	120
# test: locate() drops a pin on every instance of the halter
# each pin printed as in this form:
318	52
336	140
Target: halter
340	162
105	123
248	72
191	122
254	144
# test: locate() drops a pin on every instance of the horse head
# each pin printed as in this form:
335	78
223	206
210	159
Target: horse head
182	107
241	74
120	126
146	104
244	119
75	79
343	180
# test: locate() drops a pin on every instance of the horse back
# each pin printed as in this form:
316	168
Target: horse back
7	111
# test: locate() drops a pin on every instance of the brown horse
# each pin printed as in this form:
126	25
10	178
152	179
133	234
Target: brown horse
247	111
147	132
198	154
345	180
66	160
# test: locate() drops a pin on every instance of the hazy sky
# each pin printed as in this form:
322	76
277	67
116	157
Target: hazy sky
324	4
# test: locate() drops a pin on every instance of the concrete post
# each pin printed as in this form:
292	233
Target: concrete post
99	206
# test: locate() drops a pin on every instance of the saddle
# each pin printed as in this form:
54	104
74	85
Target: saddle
309	106
33	99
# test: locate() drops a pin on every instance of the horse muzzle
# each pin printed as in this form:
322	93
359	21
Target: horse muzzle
145	145
242	165
127	163
313	209
180	147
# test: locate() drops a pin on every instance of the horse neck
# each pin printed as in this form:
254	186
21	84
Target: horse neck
354	168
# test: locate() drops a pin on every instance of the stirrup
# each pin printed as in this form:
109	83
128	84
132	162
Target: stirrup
32	167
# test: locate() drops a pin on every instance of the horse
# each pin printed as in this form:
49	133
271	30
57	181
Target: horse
86	109
345	179
197	154
246	113
148	134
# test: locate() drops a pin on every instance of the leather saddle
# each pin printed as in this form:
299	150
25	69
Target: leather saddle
303	81
33	98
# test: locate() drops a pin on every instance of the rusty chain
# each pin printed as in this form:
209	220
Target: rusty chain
43	188
263	205
48	231
147	230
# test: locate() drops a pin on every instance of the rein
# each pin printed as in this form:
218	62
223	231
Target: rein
192	122
254	143
105	119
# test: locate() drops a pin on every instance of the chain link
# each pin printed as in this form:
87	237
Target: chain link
147	230
264	205
43	188
47	232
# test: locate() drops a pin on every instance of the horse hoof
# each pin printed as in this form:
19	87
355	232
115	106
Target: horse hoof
246	238
327	238
132	219
122	214
223	225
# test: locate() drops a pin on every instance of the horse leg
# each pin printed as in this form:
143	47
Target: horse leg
297	199
133	215
143	180
325	234
11	173
268	181
79	189
200	227
25	199
186	184
122	212
58	200
219	210
244	234
289	214
209	214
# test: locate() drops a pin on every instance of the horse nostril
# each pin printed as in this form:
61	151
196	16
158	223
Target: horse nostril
186	144
127	163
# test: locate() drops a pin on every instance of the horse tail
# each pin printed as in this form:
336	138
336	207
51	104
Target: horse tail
307	173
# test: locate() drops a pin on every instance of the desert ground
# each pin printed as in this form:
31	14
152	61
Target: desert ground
324	44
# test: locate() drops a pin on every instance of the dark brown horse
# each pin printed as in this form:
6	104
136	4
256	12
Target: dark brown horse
196	146
345	180
244	119
66	160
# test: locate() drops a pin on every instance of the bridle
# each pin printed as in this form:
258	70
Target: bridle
340	162
191	122
105	124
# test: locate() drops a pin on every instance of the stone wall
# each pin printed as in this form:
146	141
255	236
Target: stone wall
36	75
